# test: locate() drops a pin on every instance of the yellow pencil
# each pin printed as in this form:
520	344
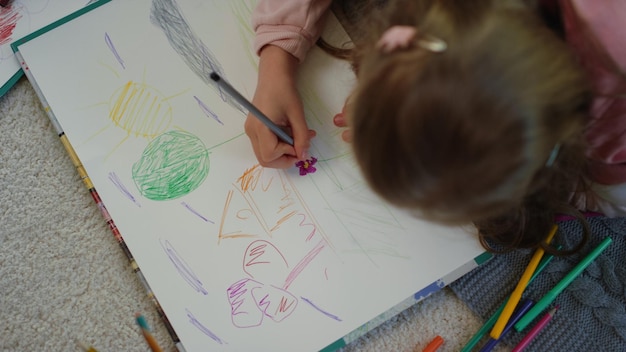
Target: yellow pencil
519	289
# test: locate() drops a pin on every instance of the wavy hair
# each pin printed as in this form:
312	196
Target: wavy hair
465	135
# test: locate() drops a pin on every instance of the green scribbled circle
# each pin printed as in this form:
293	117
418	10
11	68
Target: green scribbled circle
172	165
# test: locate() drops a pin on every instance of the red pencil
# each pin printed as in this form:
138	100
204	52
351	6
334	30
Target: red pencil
434	344
535	330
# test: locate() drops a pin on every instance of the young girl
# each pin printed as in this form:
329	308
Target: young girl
466	111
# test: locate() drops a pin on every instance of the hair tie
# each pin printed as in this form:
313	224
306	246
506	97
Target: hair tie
432	43
403	37
553	154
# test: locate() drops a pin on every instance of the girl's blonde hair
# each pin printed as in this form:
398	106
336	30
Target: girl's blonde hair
465	135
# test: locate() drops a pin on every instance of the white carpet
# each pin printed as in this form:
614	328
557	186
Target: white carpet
64	278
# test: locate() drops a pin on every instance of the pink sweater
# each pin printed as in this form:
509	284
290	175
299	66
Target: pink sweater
291	25
594	30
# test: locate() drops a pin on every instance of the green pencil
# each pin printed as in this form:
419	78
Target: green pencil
492	320
551	295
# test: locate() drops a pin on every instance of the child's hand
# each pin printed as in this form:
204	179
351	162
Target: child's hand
340	121
277	97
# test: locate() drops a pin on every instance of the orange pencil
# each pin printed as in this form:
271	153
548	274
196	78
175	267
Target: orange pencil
145	329
434	344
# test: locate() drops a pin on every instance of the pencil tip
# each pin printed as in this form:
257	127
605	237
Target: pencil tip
214	76
553	310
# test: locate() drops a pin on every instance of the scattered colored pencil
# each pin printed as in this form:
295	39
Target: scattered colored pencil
145	330
521	309
434	344
473	341
519	289
549	297
535	330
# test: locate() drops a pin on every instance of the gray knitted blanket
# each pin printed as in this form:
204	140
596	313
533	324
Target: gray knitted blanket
592	310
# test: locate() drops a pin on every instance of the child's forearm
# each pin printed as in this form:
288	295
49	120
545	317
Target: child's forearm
275	63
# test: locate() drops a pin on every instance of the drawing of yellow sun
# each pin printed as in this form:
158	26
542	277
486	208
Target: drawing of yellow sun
140	110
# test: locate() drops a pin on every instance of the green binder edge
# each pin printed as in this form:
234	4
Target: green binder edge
16	77
15	45
11	82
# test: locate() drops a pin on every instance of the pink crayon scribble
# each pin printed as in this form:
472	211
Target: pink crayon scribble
251	301
306	223
109	42
304	262
274	302
263	261
9	16
203	329
244	311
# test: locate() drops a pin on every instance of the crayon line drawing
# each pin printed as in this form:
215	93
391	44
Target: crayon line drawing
203	329
332	316
167	15
264	292
172	165
207	111
263	295
117	182
242	10
241	205
251	301
256	297
111	46
371	228
183	268
16	20
9	16
137	108
195	212
140	110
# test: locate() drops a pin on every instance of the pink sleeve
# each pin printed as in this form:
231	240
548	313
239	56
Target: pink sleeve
597	33
293	25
